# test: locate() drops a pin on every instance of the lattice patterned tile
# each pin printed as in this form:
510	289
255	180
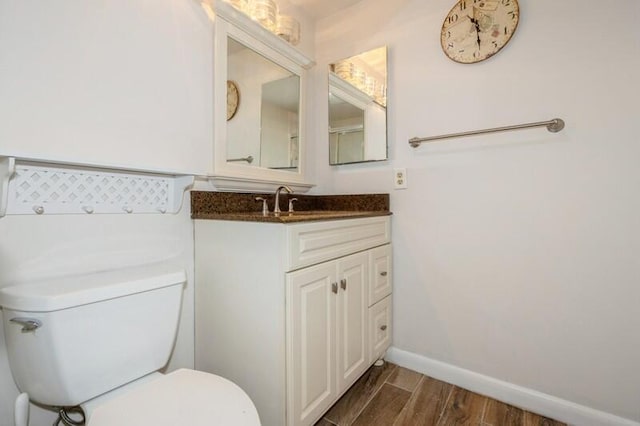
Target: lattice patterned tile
35	188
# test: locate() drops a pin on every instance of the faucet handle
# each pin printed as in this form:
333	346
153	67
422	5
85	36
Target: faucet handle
291	200
265	206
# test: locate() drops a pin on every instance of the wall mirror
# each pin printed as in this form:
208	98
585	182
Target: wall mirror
259	107
263	103
358	108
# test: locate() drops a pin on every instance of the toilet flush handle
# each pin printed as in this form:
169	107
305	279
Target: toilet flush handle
28	324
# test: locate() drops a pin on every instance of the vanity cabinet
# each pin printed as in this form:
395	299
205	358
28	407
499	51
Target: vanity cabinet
287	312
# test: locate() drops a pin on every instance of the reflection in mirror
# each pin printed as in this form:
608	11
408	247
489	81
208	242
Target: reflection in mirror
263	132
346	134
279	122
357	108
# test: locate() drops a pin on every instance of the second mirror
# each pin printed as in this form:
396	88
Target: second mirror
358	108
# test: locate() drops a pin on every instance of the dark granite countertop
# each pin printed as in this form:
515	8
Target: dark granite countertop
284	217
244	207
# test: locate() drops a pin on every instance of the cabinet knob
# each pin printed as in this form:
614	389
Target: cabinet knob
343	283
383	273
334	287
383	327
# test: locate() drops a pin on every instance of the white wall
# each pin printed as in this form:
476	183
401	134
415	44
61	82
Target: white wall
516	254
124	83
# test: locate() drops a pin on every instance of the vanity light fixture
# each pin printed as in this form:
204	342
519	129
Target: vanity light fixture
265	12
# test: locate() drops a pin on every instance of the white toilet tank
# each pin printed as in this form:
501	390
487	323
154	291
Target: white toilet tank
90	333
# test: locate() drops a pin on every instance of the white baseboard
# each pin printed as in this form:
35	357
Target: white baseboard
527	399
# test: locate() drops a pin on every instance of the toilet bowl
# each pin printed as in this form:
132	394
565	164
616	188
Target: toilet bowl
97	341
183	397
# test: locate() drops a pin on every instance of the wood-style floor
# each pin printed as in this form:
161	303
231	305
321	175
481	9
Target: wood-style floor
394	396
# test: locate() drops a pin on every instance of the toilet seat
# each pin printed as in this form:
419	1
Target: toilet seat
183	397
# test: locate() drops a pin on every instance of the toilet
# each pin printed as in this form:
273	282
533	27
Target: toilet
98	342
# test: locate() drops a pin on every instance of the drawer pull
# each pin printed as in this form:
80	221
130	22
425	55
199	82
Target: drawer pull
383	327
343	283
334	287
383	273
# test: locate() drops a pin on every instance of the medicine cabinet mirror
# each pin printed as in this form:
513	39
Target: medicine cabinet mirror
259	106
358	108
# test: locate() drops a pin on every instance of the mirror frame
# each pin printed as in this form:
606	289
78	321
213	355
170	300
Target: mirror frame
239	177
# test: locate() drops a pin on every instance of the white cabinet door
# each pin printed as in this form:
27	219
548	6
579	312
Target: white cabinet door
311	342
353	276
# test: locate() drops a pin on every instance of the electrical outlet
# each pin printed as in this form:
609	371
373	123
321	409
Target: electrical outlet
400	178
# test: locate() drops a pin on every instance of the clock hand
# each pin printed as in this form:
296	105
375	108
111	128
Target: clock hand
475	22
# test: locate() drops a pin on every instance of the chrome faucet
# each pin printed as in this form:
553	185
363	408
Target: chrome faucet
276	208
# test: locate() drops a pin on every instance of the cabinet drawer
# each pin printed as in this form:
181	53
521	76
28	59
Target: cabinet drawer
381	273
311	243
379	328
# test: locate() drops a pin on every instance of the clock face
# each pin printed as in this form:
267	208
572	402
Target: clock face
233	99
475	30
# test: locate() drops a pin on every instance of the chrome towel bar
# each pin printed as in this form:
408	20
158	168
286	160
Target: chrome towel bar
554	126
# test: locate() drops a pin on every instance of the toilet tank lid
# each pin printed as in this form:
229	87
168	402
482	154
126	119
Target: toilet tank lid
47	295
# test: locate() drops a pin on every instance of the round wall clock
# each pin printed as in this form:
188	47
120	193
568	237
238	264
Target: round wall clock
233	99
475	30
